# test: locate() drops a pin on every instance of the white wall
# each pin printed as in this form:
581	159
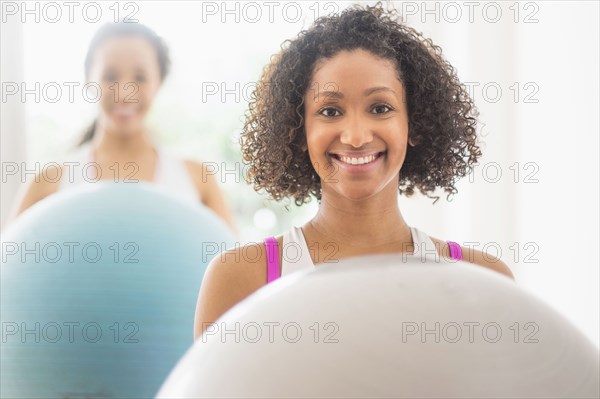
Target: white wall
12	112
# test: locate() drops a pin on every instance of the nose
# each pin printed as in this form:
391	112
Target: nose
129	92
356	133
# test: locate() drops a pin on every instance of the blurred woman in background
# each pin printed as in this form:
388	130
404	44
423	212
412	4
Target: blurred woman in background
129	62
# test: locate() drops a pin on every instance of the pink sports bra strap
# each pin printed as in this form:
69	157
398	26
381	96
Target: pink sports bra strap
455	250
273	270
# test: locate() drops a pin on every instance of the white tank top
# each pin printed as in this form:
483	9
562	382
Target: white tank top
296	254
171	174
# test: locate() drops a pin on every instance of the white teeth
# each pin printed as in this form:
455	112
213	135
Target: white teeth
358	161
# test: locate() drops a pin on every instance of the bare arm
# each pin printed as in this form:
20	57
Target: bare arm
480	259
228	280
33	191
210	192
476	257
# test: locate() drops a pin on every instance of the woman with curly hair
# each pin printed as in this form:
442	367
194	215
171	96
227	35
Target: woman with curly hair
355	111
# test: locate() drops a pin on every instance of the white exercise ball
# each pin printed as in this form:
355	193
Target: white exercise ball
380	326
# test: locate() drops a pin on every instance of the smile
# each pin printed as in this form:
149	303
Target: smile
125	112
358	162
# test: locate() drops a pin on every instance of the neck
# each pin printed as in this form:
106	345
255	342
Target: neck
373	222
113	142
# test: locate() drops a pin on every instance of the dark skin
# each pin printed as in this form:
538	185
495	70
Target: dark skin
364	117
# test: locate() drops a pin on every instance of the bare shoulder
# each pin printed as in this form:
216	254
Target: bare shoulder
193	166
230	277
44	183
244	266
204	178
476	257
201	172
48	181
204	175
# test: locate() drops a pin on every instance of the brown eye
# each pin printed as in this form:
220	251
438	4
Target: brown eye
329	112
381	109
110	77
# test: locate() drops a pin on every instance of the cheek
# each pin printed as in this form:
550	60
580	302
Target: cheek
311	137
396	135
317	146
146	94
319	138
319	135
107	99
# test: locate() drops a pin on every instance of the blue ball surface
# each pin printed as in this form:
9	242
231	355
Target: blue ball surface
98	290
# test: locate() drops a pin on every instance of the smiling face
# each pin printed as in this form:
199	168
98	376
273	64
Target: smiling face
128	72
356	124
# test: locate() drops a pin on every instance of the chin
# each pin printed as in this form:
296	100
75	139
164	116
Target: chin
126	128
357	195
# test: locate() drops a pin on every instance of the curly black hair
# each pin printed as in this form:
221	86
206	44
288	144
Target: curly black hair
442	116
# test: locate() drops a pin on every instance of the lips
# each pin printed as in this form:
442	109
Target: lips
125	112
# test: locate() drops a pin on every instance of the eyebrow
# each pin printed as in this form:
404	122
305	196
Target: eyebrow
368	92
330	94
372	90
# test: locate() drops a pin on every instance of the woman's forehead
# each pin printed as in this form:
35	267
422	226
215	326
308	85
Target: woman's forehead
356	71
126	50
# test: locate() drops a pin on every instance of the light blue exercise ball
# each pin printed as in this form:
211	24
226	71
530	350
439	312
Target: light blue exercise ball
99	288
